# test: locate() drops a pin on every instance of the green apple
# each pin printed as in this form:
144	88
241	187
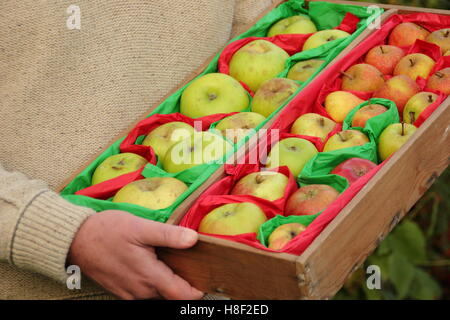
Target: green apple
213	93
239	125
199	148
345	139
283	234
393	138
166	135
417	104
117	165
232	219
152	193
272	94
268	185
323	37
313	124
291	152
257	62
299	24
303	70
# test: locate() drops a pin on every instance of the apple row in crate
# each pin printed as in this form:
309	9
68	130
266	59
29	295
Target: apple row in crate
333	137
137	172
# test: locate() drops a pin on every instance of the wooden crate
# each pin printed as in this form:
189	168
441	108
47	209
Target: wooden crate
238	271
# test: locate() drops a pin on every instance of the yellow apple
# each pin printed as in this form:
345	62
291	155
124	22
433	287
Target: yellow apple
441	38
152	193
345	139
199	148
166	135
232	219
415	65
323	37
239	125
213	93
272	94
314	125
257	62
291	152
268	185
447	53
339	103
416	105
303	70
283	234
117	165
393	138
299	24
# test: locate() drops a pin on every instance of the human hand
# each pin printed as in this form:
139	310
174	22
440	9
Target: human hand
116	250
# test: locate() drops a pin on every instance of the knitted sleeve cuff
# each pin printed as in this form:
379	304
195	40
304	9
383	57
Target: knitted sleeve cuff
44	233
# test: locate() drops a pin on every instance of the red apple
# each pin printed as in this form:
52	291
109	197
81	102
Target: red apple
440	81
365	113
310	199
384	58
405	34
353	169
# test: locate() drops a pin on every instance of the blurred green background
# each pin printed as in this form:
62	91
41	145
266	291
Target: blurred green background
415	258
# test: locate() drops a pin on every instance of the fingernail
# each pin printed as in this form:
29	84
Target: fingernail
189	236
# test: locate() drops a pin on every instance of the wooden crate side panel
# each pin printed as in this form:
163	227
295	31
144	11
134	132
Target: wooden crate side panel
234	270
377	208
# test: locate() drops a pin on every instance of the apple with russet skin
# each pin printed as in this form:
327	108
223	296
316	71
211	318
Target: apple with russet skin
257	62
117	165
405	34
272	94
362	77
339	103
365	113
345	139
440	38
322	37
299	24
398	89
310	199
303	70
233	219
283	234
291	152
267	185
415	65
166	135
239	125
393	138
354	168
384	58
314	125
417	104
440	81
213	93
199	148
153	193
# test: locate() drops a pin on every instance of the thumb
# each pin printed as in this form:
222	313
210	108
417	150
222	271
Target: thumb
158	234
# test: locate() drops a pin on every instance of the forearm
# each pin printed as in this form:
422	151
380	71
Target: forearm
36	225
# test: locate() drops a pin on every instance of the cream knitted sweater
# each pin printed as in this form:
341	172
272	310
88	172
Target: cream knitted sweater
65	93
